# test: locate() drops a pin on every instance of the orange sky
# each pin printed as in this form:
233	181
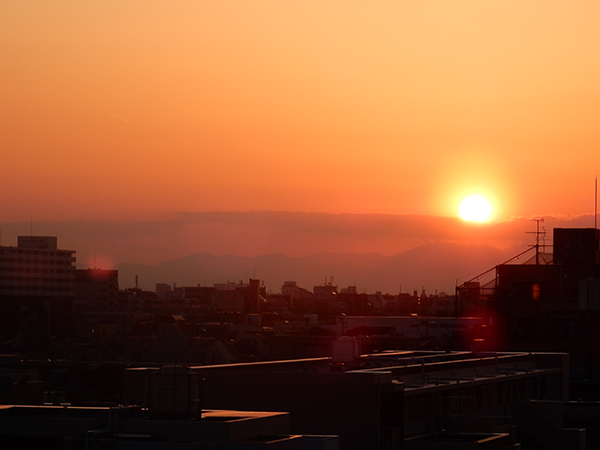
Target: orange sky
117	110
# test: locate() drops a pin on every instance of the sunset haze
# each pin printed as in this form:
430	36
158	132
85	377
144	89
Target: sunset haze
127	111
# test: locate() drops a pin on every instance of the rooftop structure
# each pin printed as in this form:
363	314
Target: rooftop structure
169	417
399	399
131	428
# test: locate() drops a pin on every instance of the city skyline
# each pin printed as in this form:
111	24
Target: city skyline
373	252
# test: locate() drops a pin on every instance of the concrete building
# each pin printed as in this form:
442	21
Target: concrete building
96	289
325	292
391	400
163	290
292	289
401	400
36	290
132	428
169	416
36	267
549	303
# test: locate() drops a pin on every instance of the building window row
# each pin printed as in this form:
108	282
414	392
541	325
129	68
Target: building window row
37	261
23	290
16	251
23	270
36	279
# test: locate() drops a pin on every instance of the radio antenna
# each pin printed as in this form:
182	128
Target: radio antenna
538	234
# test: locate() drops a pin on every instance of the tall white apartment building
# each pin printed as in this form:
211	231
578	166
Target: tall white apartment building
36	267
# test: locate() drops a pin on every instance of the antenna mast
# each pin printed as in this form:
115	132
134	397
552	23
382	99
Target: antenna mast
596	202
538	233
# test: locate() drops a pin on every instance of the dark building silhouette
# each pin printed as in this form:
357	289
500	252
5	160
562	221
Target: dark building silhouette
401	400
551	302
96	289
37	290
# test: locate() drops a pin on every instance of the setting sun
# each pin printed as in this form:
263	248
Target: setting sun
475	208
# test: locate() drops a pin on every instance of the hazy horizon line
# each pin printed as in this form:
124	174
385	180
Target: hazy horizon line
294	234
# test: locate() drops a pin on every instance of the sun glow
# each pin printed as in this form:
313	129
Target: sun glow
475	208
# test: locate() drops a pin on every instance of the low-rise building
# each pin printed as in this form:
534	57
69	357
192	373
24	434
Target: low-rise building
400	400
96	289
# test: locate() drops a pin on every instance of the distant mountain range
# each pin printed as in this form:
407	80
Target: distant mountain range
435	267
